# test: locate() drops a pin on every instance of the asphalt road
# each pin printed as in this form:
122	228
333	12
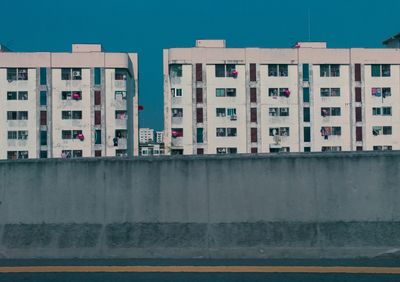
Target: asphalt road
105	266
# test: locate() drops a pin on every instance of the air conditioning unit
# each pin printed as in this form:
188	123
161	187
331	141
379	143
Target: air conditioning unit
76	73
233	117
22	71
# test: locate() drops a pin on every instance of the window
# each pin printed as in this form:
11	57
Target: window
120	95
22	95
274	92
43	76
386	111
43	138
17	74
380	70
253	72
97	136
12	135
253	135
358	94
334	111
199	135
177	132
43	154
199	115
359	136
97	153
357	72
199	72
382	148
175	70
43	117
120	74
199	95
67	154
284	112
13	155
330	92
219	70
228	70
177	112
378	92
279	131
254	150
307	149
330	131
253	95
223	150
277	70
70	134
274	112
253	115
231	112
306	95
220	92
71	74
200	151
220	112
228	92
97	117
22	135
231	131
66	95
13	95
11	115
221	132
176	92
231	92
358	114
66	115
306	72
306	114
11	74
121	133
15	115
329	70
121	115
97	76
307	134
97	98
331	148
43	98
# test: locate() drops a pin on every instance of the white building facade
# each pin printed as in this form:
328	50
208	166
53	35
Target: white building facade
221	100
146	135
78	104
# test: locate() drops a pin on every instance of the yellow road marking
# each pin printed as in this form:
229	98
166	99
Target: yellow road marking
204	269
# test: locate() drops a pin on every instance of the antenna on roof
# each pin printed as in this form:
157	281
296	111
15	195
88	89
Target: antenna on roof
309	24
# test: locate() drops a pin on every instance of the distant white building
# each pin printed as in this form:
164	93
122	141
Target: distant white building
159	137
76	104
221	100
146	135
152	149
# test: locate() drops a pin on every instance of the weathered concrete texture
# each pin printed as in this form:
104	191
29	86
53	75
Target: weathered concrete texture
284	206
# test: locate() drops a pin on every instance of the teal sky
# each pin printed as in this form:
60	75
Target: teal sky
149	26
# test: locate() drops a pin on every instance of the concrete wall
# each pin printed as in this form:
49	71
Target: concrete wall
342	205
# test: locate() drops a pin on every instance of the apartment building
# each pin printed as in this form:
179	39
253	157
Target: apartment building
220	100
159	137
146	135
77	104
